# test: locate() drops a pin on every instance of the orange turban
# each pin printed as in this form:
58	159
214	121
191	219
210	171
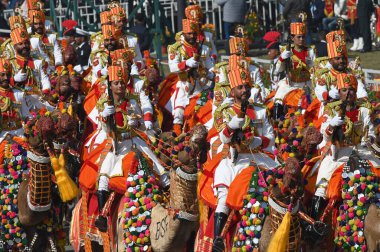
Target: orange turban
117	73
189	26
110	31
5	66
336	44
194	12
36	16
238	45
118	12
238	76
19	35
298	28
125	54
16	22
105	17
238	61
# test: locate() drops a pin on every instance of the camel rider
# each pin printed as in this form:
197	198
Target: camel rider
13	103
29	73
294	90
237	129
325	88
113	52
7	48
119	19
206	31
192	64
127	116
49	41
345	135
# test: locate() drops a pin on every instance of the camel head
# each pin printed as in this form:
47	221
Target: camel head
198	138
39	130
311	139
65	127
292	179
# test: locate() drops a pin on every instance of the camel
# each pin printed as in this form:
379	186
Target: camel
35	194
173	224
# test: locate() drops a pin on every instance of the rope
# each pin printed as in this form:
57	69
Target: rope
106	242
228	223
87	242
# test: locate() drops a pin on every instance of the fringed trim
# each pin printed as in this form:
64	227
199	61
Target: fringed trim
37	208
186	176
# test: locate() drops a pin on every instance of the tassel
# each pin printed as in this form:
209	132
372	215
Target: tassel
67	188
280	239
70	109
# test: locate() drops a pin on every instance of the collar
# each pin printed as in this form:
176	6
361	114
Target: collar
80	46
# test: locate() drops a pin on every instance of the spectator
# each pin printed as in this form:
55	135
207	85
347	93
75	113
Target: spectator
293	8
83	48
354	26
291	12
144	38
3	22
365	9
233	14
340	10
321	45
317	13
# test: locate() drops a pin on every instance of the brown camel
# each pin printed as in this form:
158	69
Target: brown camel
173	225
35	193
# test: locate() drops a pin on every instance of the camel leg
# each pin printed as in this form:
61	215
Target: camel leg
372	232
266	235
26	216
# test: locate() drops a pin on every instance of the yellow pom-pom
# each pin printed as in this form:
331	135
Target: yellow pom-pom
291	154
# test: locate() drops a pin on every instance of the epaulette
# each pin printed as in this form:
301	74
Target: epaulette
101	101
319	60
260	105
322	71
178	36
94	35
174	47
332	106
218	115
366	104
220	64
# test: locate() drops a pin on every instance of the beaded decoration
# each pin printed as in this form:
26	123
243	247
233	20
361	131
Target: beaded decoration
141	196
253	213
359	189
15	165
205	96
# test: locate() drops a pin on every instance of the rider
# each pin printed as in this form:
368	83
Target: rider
354	126
237	129
192	64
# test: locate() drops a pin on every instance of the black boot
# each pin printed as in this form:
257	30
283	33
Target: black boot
278	111
219	221
101	221
318	204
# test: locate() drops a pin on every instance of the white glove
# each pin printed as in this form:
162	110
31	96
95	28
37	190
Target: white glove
236	123
334	93
286	54
104	71
108	110
20	76
336	121
257	141
148	125
192	63
78	69
138	85
228	100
